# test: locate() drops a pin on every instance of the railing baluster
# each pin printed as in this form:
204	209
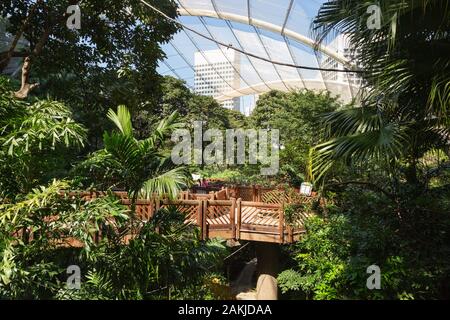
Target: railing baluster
232	218
239	216
281	224
200	217
205	216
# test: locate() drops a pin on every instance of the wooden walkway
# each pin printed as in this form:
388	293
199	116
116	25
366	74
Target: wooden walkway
222	215
238	213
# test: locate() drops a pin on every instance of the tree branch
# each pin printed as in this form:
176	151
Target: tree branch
9	54
26	87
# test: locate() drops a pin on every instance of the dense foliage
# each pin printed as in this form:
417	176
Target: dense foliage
36	138
43	230
45	233
101	119
405	65
364	229
296	115
136	166
387	163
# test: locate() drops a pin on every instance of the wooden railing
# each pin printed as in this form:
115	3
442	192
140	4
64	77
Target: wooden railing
227	213
230	219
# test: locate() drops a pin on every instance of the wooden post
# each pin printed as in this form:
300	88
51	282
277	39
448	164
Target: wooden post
254	195
152	207
268	268
200	217
281	224
290	233
233	217
204	216
239	216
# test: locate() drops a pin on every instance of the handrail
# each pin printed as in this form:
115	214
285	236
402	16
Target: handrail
222	213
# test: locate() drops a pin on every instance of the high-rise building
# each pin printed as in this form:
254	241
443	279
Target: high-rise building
341	44
216	72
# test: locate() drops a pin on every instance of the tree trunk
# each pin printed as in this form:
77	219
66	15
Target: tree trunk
26	86
267	286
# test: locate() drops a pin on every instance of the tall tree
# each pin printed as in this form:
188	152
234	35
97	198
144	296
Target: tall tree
113	34
297	115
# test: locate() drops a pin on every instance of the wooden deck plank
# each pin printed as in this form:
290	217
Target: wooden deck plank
219	215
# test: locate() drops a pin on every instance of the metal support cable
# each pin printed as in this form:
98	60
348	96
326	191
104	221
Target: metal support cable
249	15
268	55
237	39
193	69
321	72
223	52
205	25
249	54
209	63
176	73
204	56
286	40
288	13
294	59
249	60
214	4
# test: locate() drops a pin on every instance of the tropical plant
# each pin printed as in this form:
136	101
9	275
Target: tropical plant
36	235
406	72
137	166
363	229
50	230
296	115
33	136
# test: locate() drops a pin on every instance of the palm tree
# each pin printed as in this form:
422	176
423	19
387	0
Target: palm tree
406	68
138	166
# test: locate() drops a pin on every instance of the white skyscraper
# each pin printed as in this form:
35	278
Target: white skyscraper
342	46
216	73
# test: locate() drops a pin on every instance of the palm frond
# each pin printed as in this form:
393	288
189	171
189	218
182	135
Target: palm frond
164	128
356	138
168	183
122	120
405	55
123	149
350	121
